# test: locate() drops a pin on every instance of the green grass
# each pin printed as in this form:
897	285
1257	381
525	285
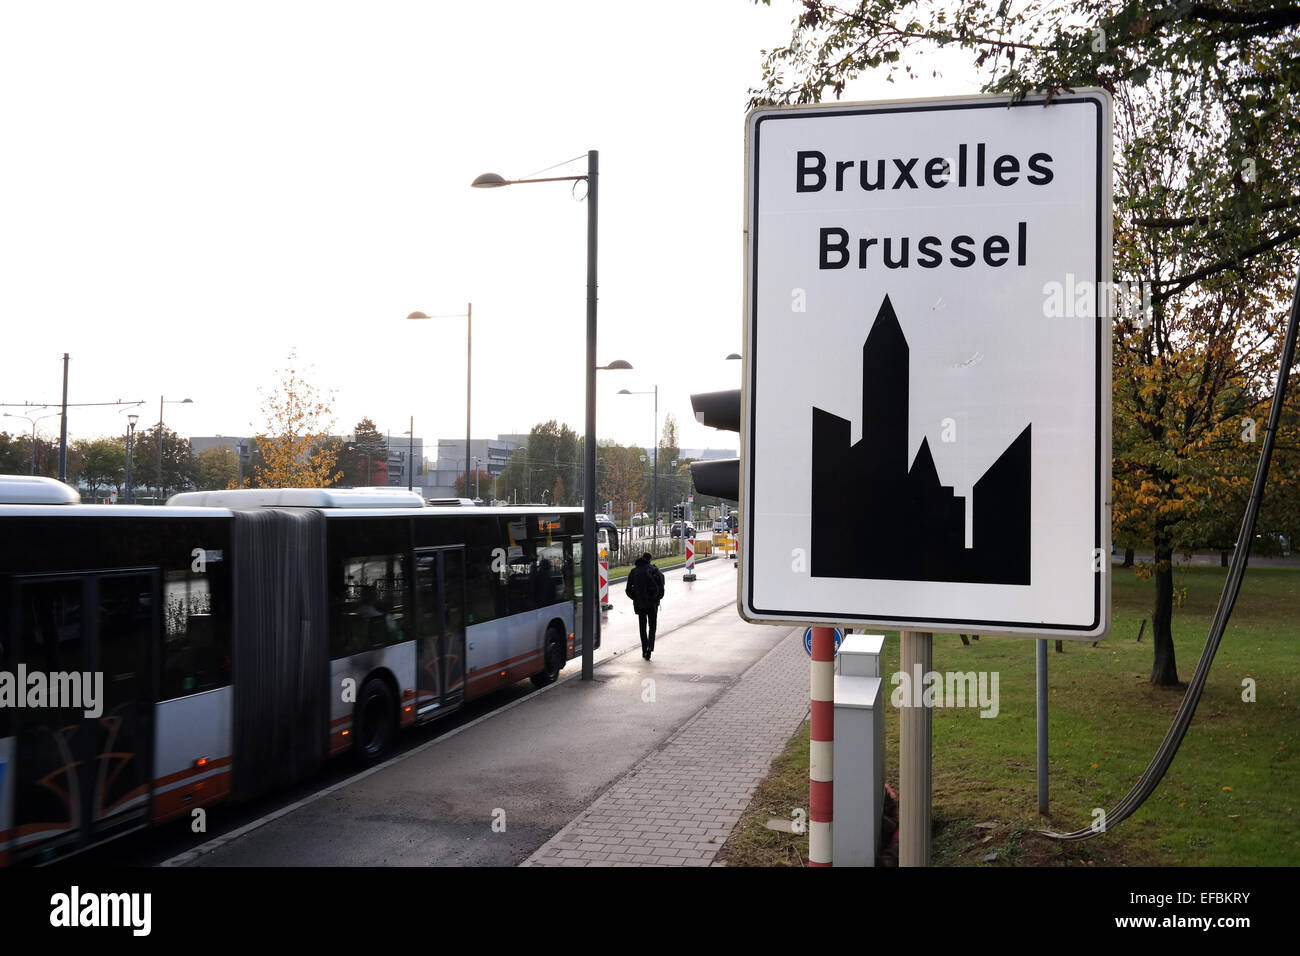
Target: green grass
666	562
1232	795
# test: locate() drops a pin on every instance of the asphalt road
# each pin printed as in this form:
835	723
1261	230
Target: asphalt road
531	760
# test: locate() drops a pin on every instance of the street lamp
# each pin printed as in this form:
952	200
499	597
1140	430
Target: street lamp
33	421
654	466
130	434
469	346
589	597
410	458
161	402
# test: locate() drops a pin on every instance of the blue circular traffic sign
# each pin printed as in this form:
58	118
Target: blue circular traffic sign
807	640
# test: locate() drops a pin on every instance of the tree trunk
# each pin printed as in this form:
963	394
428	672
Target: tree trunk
1128	558
1164	670
1223	559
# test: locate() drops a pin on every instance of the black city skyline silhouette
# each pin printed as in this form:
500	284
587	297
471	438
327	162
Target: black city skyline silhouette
874	517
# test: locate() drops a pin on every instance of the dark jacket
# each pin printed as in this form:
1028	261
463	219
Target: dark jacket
645	585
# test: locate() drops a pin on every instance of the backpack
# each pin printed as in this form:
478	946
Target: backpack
658	577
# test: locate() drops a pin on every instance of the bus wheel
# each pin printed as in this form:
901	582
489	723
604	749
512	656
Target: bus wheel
376	721
552	658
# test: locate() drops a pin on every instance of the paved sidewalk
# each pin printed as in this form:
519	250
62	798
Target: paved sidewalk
679	805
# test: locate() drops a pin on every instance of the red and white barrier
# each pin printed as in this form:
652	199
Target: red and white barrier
821	752
690	560
604	583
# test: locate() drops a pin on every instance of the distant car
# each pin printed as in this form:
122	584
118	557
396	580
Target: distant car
677	530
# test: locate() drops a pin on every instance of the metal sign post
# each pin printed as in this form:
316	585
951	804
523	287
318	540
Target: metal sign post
821	747
915	724
1041	678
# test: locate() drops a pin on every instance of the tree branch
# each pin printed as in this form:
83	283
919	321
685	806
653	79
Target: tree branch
1171	223
1178	285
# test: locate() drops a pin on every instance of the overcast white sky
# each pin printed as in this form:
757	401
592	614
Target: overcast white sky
190	190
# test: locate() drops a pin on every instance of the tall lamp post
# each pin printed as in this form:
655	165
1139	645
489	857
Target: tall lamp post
130	434
33	421
654	466
410	458
468	314
589	598
161	402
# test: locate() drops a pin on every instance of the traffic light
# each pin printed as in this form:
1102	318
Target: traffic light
677	512
719	477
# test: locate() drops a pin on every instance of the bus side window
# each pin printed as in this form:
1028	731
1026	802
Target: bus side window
196	639
521	581
484	569
372	612
550	569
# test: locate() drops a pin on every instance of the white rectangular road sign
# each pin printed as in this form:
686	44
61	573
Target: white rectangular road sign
926	433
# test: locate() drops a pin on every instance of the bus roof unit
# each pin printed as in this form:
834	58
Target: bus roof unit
249	498
32	490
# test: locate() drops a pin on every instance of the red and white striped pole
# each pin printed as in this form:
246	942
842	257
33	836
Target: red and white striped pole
821	754
690	560
604	582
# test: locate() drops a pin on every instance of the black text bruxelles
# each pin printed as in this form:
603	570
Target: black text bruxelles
812	175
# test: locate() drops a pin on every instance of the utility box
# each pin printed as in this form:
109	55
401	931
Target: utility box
859	752
859	655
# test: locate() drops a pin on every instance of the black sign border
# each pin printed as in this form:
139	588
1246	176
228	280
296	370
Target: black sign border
751	357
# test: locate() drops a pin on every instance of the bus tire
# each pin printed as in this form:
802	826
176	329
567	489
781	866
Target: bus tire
375	722
552	658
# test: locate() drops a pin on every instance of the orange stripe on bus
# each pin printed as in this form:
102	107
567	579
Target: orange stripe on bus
192	771
493	670
202	793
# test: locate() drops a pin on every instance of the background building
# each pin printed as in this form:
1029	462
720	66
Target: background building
488	455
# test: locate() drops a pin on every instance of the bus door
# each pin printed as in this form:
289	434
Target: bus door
440	628
84	729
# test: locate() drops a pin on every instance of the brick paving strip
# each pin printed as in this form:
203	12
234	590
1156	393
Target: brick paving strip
679	805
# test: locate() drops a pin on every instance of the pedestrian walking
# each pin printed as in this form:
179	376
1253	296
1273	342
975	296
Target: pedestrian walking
645	586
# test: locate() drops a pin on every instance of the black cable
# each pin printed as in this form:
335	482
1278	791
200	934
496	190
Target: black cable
1164	756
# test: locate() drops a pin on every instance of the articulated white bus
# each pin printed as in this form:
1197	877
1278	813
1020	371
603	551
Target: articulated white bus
242	637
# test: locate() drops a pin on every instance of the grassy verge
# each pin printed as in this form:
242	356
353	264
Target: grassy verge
1231	797
665	563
